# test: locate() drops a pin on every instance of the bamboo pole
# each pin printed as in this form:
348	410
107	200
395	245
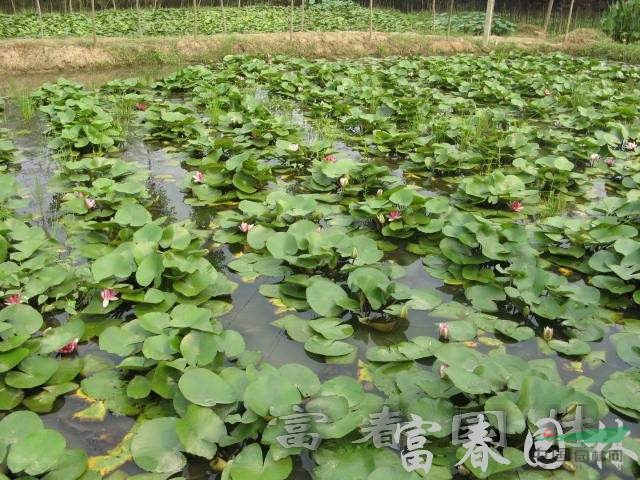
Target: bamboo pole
195	18
547	17
566	35
433	9
450	15
370	20
291	23
39	10
224	19
488	20
302	21
93	23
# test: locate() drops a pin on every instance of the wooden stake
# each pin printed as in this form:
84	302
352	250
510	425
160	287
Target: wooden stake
370	20
547	17
224	19
138	13
93	23
195	18
566	35
291	23
40	18
488	20
433	9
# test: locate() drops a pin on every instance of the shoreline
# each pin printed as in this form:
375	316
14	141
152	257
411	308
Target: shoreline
21	58
69	54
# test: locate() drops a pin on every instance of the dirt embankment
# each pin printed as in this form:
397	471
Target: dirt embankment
46	55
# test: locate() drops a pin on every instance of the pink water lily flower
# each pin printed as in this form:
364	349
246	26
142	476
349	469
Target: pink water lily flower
394	215
330	159
443	331
594	157
141	107
198	177
631	146
69	347
516	206
90	203
245	227
14	299
610	162
547	93
108	295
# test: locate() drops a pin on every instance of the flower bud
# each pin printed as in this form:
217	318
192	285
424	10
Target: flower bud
443	331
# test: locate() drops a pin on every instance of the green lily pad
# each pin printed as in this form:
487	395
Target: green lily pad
37	452
250	465
205	388
200	430
156	446
573	347
324	297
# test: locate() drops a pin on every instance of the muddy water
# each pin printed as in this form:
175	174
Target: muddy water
252	314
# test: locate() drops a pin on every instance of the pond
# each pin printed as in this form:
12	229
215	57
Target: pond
440	236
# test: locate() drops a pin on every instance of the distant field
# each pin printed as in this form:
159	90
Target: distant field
253	19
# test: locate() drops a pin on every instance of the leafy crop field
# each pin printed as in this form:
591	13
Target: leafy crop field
177	21
187	261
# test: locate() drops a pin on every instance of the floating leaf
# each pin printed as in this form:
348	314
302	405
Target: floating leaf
203	387
156	446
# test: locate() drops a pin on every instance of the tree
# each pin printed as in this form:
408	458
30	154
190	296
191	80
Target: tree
433	9
93	23
547	17
224	19
139	19
40	18
566	35
302	20
450	15
488	19
370	20
195	18
291	23
13	6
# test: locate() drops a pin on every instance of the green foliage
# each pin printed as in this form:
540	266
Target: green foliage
622	21
435	165
336	16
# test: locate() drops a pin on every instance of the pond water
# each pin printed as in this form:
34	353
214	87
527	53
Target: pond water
252	313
